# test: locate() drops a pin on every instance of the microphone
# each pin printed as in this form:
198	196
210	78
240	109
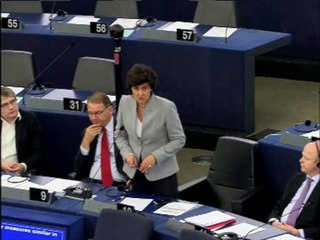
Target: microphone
86	192
39	88
294	210
51	15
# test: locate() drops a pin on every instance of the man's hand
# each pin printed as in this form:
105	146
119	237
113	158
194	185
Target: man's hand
15	167
286	227
91	132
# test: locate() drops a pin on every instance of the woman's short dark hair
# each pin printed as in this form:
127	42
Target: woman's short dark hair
140	74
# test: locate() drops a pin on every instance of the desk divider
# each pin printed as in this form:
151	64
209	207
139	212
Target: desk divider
92	205
24	195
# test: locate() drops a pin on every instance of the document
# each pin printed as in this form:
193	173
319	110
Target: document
175	208
212	220
181	25
285	236
242	229
126	22
16	90
139	204
59	184
221	32
315	133
85	20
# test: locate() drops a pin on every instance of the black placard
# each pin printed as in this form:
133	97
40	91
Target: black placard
125	207
99	27
185	35
41	195
72	104
10	23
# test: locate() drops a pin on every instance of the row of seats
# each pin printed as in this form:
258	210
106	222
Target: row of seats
92	73
220	13
134	226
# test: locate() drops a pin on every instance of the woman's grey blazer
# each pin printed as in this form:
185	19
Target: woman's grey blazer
162	135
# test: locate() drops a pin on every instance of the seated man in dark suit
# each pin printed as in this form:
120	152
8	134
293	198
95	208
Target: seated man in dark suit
21	146
88	159
298	212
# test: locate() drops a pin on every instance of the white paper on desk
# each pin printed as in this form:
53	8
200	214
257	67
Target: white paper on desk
220	32
85	20
4	177
241	229
175	208
181	25
12	181
16	90
126	22
4	15
26	185
58	184
210	218
315	133
285	236
139	204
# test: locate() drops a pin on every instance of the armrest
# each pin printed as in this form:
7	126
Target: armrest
199	191
253	204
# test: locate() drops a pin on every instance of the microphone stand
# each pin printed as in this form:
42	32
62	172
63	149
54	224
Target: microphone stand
116	32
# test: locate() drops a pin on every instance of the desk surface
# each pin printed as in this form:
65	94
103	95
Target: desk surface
212	83
75	207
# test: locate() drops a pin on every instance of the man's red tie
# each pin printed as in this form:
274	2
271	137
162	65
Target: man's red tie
105	160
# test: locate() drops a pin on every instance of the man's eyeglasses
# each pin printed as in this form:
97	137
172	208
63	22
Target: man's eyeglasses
98	113
7	104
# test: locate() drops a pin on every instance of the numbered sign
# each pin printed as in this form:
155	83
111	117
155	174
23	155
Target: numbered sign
98	27
125	207
72	104
41	195
11	23
185	35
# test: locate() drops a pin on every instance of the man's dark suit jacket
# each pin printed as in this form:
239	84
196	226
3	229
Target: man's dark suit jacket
309	218
28	139
83	164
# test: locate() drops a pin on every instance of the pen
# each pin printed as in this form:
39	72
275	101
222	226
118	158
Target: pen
118	199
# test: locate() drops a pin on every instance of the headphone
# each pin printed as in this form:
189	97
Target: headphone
147	22
227	236
122	190
306	126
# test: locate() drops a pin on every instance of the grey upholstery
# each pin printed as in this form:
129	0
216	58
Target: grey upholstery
120	225
217	13
17	68
124	9
189	234
21	6
95	74
233	182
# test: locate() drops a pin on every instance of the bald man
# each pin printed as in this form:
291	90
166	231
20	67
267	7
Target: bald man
307	222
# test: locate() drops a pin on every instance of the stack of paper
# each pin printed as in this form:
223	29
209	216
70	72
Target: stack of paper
175	208
212	220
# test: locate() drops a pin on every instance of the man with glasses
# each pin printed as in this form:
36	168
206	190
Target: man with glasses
21	147
89	159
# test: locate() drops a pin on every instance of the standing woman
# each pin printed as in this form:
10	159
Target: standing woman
149	135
